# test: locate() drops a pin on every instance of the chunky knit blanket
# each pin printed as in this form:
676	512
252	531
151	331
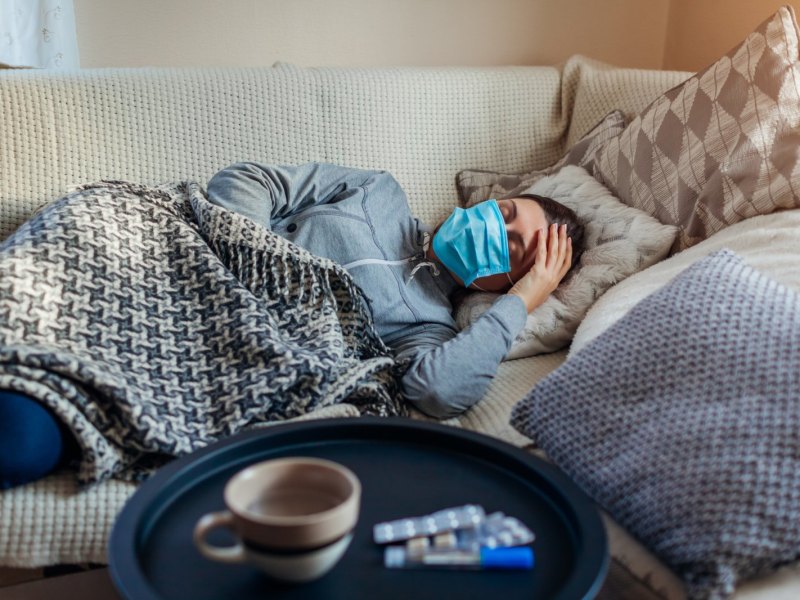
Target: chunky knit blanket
153	323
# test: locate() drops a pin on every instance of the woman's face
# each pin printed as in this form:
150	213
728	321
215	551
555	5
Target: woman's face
523	218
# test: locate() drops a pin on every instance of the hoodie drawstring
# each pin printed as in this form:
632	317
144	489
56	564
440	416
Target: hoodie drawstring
423	263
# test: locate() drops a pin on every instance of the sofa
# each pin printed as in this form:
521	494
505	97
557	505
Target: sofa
153	125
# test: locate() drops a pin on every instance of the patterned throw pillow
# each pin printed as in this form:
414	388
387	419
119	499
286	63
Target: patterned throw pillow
682	421
619	241
476	186
721	147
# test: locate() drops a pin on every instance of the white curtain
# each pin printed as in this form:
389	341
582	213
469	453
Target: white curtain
38	33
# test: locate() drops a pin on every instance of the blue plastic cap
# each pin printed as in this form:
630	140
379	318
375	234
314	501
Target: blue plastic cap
507	558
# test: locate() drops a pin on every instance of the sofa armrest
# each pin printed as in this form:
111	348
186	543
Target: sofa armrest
597	88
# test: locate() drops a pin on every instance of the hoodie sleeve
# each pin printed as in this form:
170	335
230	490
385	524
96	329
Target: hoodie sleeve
265	193
450	372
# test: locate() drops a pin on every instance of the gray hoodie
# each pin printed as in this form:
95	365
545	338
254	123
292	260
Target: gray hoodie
361	220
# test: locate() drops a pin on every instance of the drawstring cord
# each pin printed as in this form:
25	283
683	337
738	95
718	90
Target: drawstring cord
425	263
426	240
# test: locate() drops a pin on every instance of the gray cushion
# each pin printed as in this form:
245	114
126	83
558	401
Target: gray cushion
683	421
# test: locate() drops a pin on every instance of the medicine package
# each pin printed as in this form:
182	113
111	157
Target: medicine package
472	527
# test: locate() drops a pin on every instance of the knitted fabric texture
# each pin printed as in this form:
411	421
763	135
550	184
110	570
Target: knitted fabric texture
682	421
154	323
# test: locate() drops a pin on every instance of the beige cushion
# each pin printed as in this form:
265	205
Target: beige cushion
475	185
721	147
593	88
768	243
781	585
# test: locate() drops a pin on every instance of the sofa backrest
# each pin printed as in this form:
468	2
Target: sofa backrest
596	88
155	125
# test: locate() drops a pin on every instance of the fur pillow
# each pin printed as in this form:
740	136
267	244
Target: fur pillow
619	241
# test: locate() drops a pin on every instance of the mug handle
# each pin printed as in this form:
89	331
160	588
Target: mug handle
227	554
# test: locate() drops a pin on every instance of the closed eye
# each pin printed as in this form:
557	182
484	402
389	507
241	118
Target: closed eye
505	210
509	211
516	246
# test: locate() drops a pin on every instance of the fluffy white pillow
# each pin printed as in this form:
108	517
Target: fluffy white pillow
768	243
618	241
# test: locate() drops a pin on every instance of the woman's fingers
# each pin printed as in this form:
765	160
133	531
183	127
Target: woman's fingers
554	251
541	248
562	245
552	243
567	260
560	254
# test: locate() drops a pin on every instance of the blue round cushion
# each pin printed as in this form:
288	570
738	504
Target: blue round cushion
31	441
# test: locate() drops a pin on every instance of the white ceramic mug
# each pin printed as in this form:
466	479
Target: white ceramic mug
293	517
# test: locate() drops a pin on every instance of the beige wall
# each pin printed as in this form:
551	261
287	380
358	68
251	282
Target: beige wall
700	31
122	33
669	34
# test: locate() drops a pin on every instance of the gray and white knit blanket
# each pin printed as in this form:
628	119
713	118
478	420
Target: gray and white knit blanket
153	323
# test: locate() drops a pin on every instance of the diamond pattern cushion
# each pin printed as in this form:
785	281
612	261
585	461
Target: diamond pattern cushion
476	186
721	147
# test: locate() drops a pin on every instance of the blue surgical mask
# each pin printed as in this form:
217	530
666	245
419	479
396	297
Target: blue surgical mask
473	242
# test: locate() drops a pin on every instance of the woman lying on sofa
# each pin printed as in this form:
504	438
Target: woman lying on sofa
522	246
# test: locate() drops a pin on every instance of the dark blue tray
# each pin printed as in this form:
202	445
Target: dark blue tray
407	468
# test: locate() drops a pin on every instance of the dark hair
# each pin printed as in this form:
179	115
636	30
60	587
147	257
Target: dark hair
555	212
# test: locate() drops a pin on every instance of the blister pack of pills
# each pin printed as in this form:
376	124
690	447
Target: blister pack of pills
449	519
501	531
462	527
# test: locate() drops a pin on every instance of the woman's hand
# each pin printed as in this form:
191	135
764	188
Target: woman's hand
553	259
